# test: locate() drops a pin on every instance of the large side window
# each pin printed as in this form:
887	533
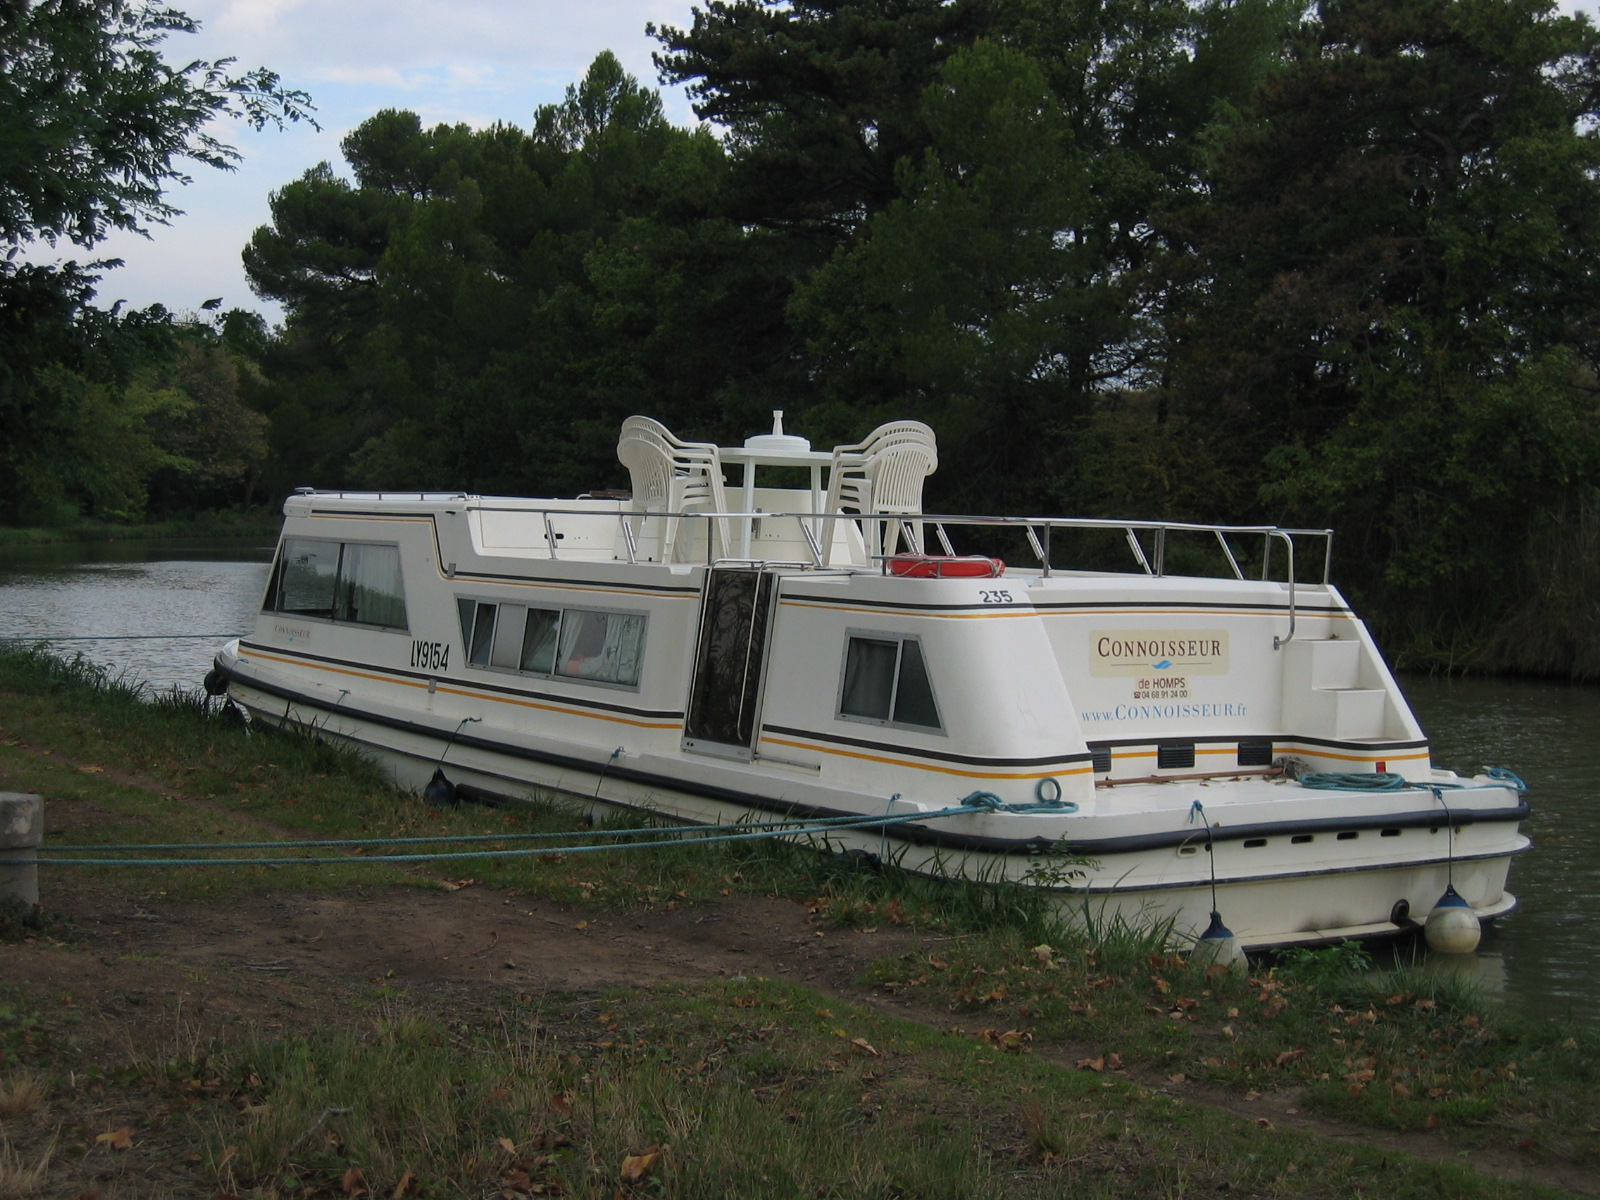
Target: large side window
339	581
886	679
578	643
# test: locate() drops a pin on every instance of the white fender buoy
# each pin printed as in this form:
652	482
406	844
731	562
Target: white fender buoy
1452	927
1218	945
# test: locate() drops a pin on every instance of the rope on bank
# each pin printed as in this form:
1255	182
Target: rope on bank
42	638
678	835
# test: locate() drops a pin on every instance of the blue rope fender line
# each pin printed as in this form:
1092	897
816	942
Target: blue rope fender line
1390	781
989	802
1378	781
1502	775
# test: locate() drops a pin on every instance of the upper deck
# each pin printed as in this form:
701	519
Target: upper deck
784	531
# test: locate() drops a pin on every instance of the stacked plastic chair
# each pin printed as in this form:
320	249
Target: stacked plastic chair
671	477
883	476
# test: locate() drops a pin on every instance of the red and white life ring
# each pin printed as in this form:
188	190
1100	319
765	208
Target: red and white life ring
946	566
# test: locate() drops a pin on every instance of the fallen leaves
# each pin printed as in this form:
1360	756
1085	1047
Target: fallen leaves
116	1139
1014	1040
1101	1062
636	1166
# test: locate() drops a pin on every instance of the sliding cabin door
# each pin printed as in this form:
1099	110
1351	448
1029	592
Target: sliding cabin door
730	661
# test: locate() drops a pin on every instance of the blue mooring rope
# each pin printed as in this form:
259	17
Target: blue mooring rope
977	802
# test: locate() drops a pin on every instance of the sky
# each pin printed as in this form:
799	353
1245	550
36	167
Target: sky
449	61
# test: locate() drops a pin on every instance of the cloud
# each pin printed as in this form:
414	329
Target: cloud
473	62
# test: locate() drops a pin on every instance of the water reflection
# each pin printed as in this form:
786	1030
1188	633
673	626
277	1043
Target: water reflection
155	611
1542	956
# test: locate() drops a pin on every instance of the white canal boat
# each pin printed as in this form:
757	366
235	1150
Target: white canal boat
1194	721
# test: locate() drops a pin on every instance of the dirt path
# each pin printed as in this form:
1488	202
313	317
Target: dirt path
153	968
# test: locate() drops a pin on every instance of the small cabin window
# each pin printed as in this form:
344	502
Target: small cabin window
477	626
539	641
355	582
886	679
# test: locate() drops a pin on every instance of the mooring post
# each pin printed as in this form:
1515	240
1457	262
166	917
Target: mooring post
21	834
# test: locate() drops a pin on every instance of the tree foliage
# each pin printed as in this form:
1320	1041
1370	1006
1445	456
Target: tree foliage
1397	248
95	128
95	125
1329	262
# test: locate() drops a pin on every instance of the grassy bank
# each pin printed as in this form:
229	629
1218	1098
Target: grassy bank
1045	1058
254	523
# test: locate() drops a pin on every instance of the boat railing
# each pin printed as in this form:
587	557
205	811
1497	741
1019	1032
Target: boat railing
1147	542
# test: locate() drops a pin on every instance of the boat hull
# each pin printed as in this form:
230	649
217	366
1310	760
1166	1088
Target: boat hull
1287	870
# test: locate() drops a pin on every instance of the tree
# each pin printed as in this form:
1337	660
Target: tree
444	322
1393	303
214	443
821	98
95	127
956	301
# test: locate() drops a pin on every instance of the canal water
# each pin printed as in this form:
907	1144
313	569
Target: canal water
157	611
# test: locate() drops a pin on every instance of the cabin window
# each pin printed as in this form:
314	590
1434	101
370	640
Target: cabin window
306	579
885	679
355	582
577	643
370	591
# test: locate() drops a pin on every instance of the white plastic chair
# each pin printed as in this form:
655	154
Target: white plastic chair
671	477
883	475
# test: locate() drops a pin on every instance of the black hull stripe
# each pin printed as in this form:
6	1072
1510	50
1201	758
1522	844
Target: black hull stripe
1277	739
555	581
901	751
916	834
1323	610
1049	607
